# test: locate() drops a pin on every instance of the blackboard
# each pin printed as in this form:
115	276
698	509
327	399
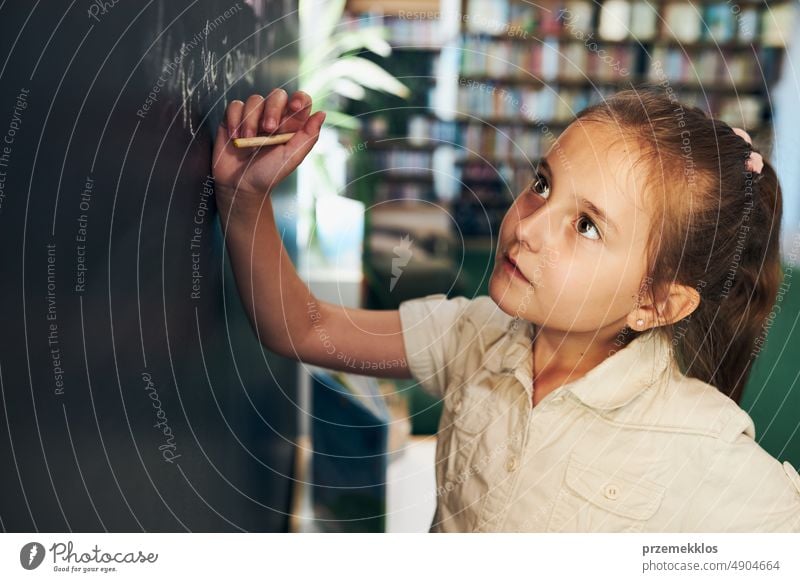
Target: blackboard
135	395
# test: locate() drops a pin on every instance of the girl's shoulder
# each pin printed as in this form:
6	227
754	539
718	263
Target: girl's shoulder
458	314
719	436
680	404
442	335
702	450
762	492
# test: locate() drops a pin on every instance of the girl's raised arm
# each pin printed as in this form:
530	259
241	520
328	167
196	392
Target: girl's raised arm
289	320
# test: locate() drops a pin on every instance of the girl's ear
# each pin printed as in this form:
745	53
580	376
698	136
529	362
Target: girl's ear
677	302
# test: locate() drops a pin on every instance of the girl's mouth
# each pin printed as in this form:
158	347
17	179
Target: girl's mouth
510	266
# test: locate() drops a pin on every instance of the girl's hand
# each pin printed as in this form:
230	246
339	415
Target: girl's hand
256	171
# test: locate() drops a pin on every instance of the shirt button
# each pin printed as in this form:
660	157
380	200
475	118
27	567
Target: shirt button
458	407
611	491
511	464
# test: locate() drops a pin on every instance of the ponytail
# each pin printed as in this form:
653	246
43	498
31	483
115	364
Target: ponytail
729	330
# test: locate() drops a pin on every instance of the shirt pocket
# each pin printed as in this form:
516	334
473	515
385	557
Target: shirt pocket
595	499
471	409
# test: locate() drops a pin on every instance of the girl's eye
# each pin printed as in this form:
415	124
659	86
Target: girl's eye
586	227
540	186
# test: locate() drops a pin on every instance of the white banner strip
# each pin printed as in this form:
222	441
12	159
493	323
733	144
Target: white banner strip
370	557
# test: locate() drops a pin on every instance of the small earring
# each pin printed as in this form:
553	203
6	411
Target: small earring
640	322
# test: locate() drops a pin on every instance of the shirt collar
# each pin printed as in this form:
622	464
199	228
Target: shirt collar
611	384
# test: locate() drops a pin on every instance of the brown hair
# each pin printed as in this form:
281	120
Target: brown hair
716	227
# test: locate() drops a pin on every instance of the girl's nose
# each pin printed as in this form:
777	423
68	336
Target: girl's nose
533	229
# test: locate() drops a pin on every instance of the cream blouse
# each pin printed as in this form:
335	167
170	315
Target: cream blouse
633	445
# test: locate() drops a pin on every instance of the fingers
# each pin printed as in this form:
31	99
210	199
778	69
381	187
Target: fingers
273	109
297	112
304	139
224	148
286	114
233	117
275	113
252	114
299	100
279	113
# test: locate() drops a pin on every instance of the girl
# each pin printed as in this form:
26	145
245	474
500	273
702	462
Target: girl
596	388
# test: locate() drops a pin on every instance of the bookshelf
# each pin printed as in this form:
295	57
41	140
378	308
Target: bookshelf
526	68
496	81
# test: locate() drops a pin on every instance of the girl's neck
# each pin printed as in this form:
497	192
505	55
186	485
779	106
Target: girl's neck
566	356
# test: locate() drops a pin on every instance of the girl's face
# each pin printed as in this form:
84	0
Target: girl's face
577	235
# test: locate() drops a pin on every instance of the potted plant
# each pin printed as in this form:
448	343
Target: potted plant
330	71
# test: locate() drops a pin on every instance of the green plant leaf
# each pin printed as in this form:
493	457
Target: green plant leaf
369	75
328	50
341	120
372	39
349	89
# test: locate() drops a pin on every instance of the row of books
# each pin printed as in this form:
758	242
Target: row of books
403	162
388	191
413	32
504	142
494	102
398	30
711	67
618	20
723	21
497	132
553	105
551	60
546	60
490	57
509	17
426	130
509	178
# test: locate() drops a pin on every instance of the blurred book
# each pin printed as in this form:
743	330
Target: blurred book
577	16
720	23
644	21
682	22
615	16
777	24
487	16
